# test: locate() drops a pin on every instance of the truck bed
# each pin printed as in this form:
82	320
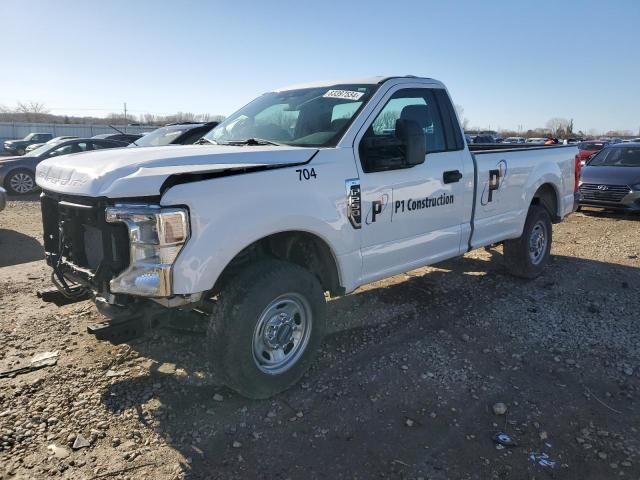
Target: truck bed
483	147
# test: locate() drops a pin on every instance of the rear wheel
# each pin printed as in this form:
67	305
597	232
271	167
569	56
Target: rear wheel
21	151
527	256
20	182
266	328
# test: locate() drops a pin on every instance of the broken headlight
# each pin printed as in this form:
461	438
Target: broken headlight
156	236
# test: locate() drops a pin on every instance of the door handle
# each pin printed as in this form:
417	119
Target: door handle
451	176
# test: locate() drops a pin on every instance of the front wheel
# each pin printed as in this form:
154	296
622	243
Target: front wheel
527	256
20	182
267	326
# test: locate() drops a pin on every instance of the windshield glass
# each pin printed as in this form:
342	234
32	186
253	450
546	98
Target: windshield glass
591	146
40	150
617	157
307	117
161	136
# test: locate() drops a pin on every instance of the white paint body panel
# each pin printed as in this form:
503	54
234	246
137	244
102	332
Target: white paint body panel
526	170
131	172
229	213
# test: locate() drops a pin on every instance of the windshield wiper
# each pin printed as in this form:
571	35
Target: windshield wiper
122	133
253	142
203	140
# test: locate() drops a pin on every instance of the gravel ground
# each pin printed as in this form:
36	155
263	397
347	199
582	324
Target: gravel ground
419	374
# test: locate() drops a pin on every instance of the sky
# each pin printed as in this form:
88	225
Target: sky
509	64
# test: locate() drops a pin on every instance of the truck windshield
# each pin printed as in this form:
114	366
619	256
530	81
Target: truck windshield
617	157
307	117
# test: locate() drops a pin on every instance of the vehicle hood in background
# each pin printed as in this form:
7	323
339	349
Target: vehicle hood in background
7	160
611	175
134	172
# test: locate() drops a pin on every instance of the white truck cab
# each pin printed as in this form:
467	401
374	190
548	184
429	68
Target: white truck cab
313	188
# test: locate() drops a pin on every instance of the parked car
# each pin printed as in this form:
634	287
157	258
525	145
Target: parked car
175	134
611	178
589	148
33	146
19	147
484	139
121	137
17	174
514	140
537	140
3	198
307	189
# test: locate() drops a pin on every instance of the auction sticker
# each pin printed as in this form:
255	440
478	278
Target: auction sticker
345	94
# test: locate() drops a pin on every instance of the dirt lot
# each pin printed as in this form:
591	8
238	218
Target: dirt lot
405	386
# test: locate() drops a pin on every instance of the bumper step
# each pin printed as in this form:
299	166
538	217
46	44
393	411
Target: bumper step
120	331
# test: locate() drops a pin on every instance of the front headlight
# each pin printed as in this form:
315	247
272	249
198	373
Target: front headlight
636	187
156	236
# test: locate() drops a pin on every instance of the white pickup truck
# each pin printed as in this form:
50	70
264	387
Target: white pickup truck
309	189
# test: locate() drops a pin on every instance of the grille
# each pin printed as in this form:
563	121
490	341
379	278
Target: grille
79	240
603	193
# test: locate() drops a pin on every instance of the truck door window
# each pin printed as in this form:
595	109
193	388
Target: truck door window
451	125
379	151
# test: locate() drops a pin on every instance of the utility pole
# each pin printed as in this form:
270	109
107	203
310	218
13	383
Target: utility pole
125	113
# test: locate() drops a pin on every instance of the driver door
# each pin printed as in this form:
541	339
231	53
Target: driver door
411	215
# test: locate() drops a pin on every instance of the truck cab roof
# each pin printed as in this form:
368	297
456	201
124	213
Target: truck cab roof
357	81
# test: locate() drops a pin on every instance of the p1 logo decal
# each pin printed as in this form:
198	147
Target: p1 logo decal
495	181
378	209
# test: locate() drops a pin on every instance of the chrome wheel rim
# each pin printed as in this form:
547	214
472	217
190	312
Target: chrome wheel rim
21	182
282	334
538	242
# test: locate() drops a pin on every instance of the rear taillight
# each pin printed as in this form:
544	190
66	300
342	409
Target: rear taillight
577	172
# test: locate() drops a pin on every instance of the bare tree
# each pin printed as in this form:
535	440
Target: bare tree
558	126
386	121
32	111
31	107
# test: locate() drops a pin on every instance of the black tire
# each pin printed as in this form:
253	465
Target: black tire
242	308
13	176
21	151
520	254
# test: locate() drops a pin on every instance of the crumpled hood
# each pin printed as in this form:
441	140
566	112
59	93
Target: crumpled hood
135	172
611	175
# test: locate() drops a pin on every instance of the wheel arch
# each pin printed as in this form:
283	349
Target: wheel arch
302	248
547	196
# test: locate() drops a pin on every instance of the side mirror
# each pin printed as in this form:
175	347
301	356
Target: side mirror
413	139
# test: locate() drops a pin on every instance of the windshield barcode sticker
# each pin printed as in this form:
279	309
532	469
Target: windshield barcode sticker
345	94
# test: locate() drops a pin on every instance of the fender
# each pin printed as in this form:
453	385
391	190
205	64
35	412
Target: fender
317	206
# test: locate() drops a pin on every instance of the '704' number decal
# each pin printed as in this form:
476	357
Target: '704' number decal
306	174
